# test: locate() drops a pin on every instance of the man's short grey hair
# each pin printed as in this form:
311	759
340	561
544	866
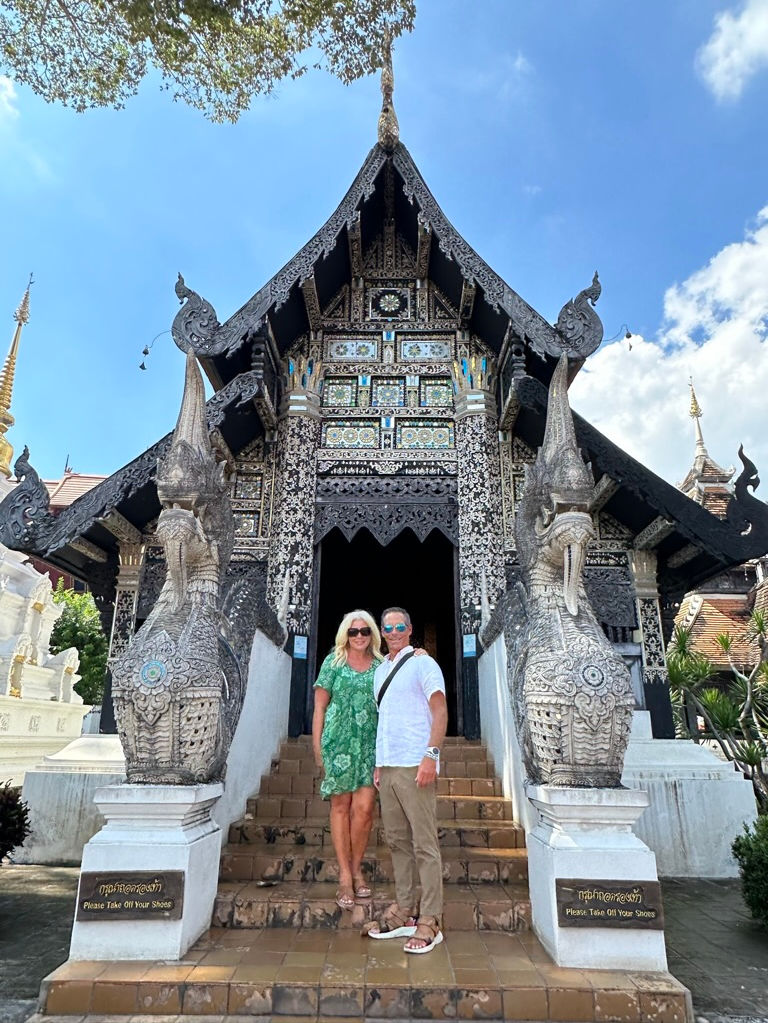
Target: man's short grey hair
396	611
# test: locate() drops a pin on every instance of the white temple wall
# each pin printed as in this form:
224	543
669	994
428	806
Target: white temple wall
698	803
497	728
262	726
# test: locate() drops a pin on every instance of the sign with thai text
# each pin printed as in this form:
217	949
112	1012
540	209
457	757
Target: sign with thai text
590	903
131	895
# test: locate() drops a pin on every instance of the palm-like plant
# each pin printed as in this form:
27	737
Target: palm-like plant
735	717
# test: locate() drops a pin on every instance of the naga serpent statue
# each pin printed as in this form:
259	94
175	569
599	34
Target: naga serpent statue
571	691
168	685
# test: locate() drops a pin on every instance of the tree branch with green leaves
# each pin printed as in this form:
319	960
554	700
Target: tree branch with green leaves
215	55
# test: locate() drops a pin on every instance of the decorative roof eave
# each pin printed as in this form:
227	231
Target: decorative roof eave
742	536
225	338
528	324
579	333
26	523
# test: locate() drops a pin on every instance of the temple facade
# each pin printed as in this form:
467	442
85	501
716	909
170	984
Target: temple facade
377	403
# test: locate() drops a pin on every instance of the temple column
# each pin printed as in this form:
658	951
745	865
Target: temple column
118	617
481	555
126	598
291	556
651	638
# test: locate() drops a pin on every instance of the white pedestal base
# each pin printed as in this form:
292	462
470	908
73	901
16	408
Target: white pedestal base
153	828
587	834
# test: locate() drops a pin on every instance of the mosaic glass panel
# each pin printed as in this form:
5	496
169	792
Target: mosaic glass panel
424	434
340	391
424	351
353	351
361	433
248	488
388	391
246	525
436	391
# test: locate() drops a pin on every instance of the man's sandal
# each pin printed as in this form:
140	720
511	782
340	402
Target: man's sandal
393	923
362	890
428	931
345	898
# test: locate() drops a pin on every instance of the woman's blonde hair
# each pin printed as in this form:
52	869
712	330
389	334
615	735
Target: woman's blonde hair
374	643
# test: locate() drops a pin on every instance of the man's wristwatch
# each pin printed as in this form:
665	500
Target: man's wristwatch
433	752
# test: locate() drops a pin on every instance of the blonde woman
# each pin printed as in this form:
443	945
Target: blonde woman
344	743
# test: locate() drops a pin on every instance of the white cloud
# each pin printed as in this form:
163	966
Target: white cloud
8	109
715	329
736	50
506	79
532	189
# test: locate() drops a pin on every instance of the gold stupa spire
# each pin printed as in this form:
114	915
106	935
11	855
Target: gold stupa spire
695	413
389	129
21	316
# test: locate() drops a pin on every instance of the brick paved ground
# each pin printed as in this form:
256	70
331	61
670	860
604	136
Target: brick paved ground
36	909
714	947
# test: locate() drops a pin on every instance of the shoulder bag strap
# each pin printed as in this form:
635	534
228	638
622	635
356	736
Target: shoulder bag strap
391	675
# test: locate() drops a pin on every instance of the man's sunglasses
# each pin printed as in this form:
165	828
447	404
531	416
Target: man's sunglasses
400	627
363	631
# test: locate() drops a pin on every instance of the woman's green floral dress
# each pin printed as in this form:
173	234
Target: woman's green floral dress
348	743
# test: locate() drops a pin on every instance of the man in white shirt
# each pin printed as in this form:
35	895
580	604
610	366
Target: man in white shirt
413	716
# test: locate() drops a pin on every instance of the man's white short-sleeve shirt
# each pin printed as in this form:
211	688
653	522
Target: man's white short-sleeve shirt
405	719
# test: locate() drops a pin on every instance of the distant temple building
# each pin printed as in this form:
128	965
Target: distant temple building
724	603
377	403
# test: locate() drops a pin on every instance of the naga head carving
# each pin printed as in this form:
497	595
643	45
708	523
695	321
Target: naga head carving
191	487
553	524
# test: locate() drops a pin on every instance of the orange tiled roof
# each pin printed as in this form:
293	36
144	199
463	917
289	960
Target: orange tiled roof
712	615
71	486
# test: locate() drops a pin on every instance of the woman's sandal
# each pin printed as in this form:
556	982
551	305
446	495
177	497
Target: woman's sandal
393	923
428	931
362	891
345	898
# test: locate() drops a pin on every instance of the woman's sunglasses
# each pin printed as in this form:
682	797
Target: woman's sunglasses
364	631
400	627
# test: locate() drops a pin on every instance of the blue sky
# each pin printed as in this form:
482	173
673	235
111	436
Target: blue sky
559	136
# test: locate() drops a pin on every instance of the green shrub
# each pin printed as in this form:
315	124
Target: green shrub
751	850
14	819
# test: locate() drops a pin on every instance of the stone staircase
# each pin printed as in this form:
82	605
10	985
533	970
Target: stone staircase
280	949
279	870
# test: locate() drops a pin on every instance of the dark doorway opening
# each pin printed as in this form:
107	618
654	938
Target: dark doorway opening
420	576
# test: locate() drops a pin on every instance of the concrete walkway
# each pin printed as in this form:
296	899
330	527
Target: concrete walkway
714	947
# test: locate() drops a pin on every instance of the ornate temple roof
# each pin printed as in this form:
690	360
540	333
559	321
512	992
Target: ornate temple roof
242	358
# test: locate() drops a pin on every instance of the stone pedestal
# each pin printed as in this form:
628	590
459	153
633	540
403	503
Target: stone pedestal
158	829
59	793
699	803
586	834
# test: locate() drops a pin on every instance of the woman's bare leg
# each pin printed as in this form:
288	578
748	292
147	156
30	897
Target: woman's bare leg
361	819
340	836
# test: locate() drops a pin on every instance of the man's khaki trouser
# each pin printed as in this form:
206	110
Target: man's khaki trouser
409	814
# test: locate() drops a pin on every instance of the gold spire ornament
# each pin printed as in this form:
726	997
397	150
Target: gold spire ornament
21	316
695	413
389	129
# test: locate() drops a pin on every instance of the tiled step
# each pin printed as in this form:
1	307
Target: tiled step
486	807
503	834
326	974
243	862
309	785
494	907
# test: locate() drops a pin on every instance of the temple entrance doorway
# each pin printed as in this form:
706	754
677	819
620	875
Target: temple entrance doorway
421	576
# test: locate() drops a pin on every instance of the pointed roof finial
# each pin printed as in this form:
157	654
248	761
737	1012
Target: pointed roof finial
389	129
7	373
695	409
695	413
